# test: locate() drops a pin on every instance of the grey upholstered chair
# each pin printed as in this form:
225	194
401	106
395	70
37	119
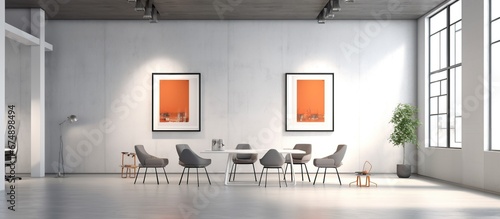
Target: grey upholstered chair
272	159
332	161
149	161
301	159
243	159
188	159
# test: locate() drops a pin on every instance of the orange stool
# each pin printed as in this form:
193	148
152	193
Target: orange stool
367	167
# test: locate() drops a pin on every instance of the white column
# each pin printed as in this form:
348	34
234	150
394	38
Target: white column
2	88
38	95
473	75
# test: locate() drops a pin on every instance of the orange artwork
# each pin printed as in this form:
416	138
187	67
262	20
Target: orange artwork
174	100
310	100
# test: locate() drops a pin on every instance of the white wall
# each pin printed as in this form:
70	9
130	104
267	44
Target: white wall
473	165
101	72
20	60
2	83
17	92
19	18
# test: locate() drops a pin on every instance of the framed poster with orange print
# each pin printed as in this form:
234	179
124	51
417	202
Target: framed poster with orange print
309	102
176	102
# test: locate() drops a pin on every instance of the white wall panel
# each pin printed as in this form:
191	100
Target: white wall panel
75	85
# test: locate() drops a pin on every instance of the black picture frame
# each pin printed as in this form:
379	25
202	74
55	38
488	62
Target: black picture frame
181	119
312	121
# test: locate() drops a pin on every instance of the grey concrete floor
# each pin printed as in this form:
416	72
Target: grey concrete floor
109	196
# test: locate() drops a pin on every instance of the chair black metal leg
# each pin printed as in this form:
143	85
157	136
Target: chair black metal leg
286	168
265	184
165	175
317	171
145	175
187	179
254	174
234	174
324	176
197	177
260	180
208	177
284	178
137	174
231	172
182	175
302	172
338	176
279	177
307	172
157	181
284	175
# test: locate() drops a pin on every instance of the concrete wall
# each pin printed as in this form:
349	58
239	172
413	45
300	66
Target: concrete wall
101	72
17	92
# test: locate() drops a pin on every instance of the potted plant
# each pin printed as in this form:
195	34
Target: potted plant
405	123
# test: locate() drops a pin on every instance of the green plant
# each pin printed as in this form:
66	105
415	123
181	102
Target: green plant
405	121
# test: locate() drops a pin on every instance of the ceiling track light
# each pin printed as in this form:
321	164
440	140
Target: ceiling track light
333	6
349	1
139	5
148	12
154	15
131	1
328	11
328	14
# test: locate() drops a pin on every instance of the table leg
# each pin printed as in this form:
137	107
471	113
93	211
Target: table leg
228	164
292	169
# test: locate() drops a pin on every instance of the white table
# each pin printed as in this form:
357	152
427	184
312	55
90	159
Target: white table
232	152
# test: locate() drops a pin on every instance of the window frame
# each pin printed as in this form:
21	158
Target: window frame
448	69
490	75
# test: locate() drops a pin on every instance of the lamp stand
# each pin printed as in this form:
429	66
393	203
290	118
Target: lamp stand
60	165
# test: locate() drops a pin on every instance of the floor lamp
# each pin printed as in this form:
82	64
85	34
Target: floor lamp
60	167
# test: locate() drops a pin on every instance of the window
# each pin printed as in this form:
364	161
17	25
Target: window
445	77
495	73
